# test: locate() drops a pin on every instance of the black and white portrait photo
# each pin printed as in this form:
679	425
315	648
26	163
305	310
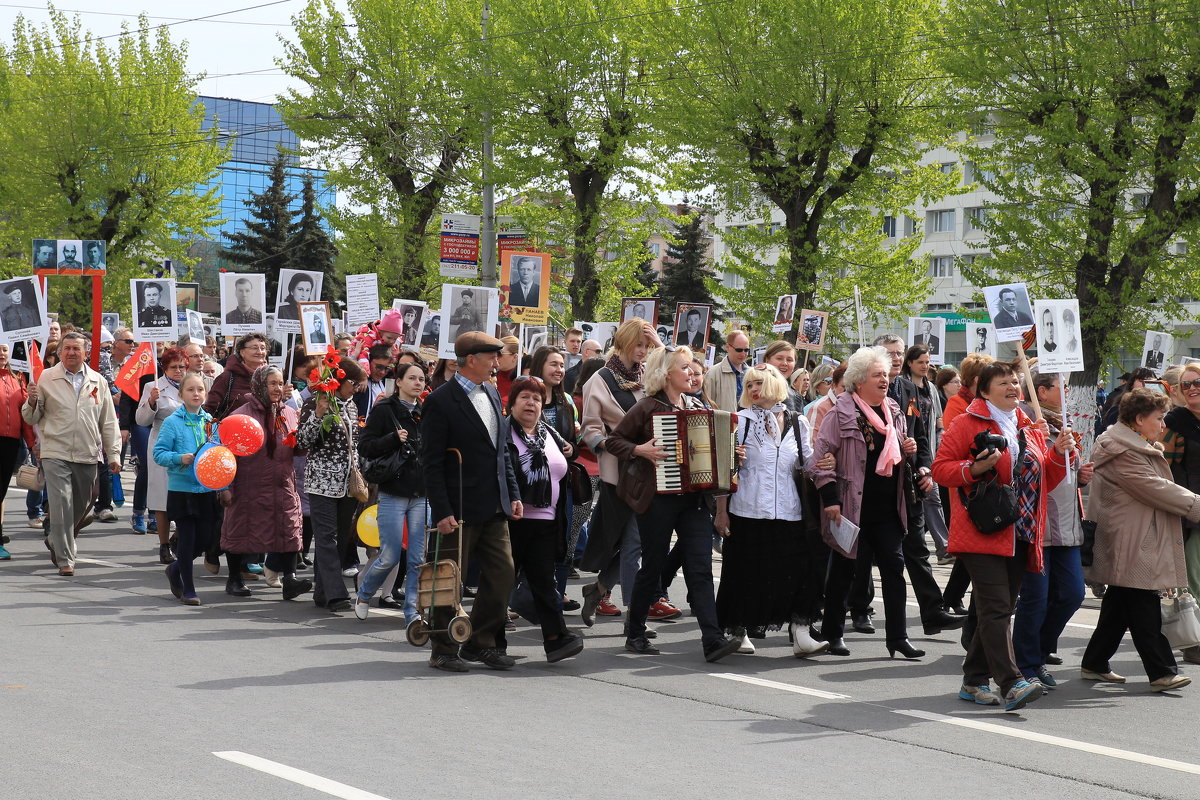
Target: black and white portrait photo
242	303
21	310
295	287
603	333
981	338
412	318
275	338
641	308
1057	336
691	325
153	309
45	256
95	256
1157	349
813	326
470	308
930	332
1012	313
523	276
431	333
111	320
315	327
195	327
70	257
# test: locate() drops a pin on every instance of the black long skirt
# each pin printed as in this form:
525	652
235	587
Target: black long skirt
761	572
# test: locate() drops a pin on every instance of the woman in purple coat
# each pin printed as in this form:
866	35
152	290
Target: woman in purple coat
262	508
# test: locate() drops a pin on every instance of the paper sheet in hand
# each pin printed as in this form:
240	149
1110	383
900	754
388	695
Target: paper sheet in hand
845	533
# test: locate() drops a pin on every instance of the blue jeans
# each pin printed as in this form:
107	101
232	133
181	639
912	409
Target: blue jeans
1045	606
393	512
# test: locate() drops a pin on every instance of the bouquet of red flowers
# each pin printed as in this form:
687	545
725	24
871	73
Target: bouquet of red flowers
323	382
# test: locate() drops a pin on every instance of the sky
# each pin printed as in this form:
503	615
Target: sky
239	36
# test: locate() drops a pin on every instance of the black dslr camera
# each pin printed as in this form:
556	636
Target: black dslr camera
986	440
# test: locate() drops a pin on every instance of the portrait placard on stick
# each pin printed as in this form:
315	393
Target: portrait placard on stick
785	313
243	303
813	326
316	330
22	311
525	287
154	315
1059	348
1011	311
362	299
470	308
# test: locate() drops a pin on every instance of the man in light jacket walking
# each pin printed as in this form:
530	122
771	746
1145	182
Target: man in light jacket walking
73	409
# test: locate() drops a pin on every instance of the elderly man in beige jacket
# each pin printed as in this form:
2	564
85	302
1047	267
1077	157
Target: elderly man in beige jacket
723	384
74	412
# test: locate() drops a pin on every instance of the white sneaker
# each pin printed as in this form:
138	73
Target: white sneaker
747	646
361	608
803	644
349	572
272	578
107	515
36	522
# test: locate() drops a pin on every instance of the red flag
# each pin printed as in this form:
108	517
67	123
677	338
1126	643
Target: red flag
129	376
35	361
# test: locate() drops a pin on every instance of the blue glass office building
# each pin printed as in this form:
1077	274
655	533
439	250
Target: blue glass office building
255	133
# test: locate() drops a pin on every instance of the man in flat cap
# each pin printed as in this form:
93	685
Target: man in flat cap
464	414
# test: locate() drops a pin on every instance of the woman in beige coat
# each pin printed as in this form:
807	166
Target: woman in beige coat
1139	541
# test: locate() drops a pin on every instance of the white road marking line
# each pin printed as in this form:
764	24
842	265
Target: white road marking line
100	563
1057	741
299	776
786	687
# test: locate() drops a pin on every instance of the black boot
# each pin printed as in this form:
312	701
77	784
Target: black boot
235	587
293	587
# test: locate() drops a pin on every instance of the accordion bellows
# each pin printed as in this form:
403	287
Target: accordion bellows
702	444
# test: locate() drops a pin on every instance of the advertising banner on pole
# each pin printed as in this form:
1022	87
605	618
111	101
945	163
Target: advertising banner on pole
460	246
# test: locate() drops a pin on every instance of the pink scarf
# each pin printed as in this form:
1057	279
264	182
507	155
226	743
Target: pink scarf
890	456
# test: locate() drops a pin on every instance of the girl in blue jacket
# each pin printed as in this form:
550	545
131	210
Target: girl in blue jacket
190	505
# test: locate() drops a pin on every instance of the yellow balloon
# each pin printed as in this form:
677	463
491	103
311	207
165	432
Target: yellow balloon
368	526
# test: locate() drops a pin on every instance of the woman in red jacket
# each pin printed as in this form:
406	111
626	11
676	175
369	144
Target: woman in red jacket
12	429
985	441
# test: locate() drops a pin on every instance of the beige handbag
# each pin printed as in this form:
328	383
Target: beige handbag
31	478
356	485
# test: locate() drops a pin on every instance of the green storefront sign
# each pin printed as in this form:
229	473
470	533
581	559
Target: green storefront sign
958	322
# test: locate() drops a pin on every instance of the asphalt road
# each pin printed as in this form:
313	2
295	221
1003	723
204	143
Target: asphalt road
109	688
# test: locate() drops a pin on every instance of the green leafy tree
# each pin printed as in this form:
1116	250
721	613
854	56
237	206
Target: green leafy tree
1095	158
266	244
817	110
102	139
311	248
687	276
570	100
387	100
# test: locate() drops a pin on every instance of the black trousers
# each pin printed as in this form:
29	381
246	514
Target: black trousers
534	544
883	543
997	581
9	449
920	575
1137	611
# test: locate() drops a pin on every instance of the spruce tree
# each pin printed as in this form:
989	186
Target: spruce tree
310	248
684	271
263	246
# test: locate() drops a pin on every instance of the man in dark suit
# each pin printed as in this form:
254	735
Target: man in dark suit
1154	356
927	338
692	335
464	413
525	289
1010	315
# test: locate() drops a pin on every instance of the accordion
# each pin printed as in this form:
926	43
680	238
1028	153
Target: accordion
701	447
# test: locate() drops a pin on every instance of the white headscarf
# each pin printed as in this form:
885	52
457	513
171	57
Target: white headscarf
1007	420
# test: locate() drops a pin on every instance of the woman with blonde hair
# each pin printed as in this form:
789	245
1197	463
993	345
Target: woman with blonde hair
668	378
764	580
1182	451
613	549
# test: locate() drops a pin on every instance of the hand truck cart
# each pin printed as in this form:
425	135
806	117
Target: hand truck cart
439	584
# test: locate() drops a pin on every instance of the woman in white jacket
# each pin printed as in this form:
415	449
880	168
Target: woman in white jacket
763	585
160	400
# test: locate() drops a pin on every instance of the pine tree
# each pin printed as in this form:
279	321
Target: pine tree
647	276
686	274
310	248
263	246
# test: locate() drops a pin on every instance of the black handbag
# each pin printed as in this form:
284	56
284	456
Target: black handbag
991	505
1088	548
580	483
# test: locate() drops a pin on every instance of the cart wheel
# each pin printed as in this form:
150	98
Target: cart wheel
460	630
417	632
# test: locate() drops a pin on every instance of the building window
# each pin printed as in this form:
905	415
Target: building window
889	227
655	249
941	221
976	219
1141	201
941	266
947	168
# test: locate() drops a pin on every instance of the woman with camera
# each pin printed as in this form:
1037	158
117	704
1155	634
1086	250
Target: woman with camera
1000	470
1139	540
866	433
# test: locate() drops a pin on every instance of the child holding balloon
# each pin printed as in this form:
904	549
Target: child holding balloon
191	505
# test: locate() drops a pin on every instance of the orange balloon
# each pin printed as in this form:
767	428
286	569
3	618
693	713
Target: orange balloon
216	467
241	434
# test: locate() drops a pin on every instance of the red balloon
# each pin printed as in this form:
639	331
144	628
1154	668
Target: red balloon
216	467
241	434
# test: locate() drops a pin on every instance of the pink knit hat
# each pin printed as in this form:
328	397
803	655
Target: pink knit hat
392	322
